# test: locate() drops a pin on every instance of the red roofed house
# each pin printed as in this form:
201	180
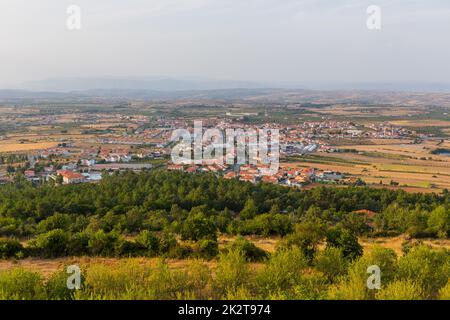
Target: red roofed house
29	173
70	177
192	169
270	179
308	172
175	167
230	175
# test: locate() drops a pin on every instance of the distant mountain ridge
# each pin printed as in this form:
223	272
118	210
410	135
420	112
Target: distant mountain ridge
199	89
148	84
167	84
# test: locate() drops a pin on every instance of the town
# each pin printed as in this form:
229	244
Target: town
70	148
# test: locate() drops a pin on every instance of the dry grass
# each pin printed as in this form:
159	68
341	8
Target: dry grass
411	165
47	266
16	146
421	123
396	243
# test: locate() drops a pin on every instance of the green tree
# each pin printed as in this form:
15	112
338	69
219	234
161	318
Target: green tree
428	267
232	273
249	249
331	263
354	285
148	242
10	248
198	226
51	244
346	241
307	236
439	221
249	211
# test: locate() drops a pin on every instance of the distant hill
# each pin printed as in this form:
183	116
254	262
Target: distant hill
198	89
148	84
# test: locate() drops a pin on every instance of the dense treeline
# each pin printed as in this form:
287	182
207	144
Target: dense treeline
158	208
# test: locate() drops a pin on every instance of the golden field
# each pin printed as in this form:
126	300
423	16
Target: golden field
411	165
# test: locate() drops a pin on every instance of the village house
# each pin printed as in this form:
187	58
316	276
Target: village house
307	172
88	162
230	175
70	177
29	174
247	177
270	179
191	169
175	167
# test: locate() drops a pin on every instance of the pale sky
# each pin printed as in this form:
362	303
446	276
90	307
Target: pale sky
252	40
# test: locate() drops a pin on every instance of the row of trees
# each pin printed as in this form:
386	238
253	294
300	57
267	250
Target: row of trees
197	207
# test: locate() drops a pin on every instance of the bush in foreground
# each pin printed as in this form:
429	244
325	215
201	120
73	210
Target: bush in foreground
10	248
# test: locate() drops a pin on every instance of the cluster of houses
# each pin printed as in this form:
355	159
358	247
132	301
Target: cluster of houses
73	174
296	177
65	166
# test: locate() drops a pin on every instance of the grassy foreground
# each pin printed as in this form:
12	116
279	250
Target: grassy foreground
422	273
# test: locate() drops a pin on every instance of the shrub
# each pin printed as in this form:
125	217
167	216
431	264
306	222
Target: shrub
357	223
180	251
9	226
197	226
266	225
428	267
56	221
307	236
167	242
148	242
345	240
439	221
249	249
331	263
241	293
231	273
282	271
353	288
162	283
56	286
10	248
78	244
126	280
400	290
19	284
249	211
206	248
444	293
199	276
102	244
354	285
312	286
125	248
51	244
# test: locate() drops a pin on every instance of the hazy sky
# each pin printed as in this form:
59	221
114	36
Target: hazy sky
262	40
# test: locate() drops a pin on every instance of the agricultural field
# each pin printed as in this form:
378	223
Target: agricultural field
13	145
412	165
